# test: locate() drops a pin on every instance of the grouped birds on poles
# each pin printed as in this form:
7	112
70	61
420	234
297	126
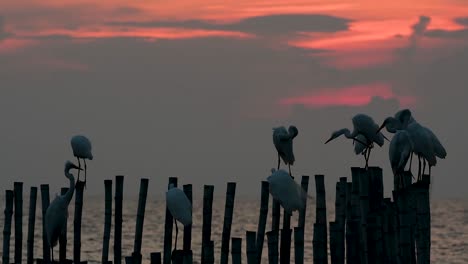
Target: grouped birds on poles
283	141
81	147
57	213
365	132
179	206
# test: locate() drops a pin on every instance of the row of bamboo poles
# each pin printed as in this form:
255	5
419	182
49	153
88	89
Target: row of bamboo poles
367	228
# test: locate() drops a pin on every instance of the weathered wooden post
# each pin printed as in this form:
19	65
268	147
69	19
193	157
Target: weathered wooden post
18	191
390	247
285	242
7	226
264	200
208	252
319	241
251	248
188	229
136	255
31	224
298	245
334	242
119	182
155	258
376	189
340	219
364	179
275	214
63	237
424	221
228	212
107	220
272	237
401	199
45	204
206	226
79	189
236	250
353	221
168	228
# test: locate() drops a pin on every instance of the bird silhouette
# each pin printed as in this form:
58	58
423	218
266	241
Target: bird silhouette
365	126
81	147
399	152
179	206
282	139
57	212
284	189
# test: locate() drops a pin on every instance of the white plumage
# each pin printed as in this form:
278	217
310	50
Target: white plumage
284	189
399	152
282	139
57	212
81	147
179	206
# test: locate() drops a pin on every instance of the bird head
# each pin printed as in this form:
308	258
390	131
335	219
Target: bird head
389	123
293	131
334	135
70	165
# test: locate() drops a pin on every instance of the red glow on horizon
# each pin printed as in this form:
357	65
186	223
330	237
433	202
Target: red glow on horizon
359	95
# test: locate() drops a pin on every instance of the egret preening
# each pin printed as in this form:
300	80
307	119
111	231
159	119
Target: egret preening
179	206
425	143
282	139
57	212
399	152
363	125
285	190
81	146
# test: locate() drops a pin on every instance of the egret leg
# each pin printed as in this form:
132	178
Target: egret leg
419	166
52	253
84	172
290	174
411	161
430	170
79	165
176	233
279	161
424	169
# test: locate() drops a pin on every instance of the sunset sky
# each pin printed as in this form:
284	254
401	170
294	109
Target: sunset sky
192	88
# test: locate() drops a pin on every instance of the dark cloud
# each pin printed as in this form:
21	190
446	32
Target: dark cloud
461	21
417	31
3	33
441	33
263	25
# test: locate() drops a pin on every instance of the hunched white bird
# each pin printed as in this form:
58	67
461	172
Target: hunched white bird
81	147
282	139
363	125
179	206
399	152
285	190
57	213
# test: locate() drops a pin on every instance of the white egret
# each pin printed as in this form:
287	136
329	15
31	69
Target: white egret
81	146
180	207
57	212
363	125
399	151
425	143
285	190
282	139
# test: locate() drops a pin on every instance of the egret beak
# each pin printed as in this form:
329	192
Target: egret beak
385	138
380	128
330	139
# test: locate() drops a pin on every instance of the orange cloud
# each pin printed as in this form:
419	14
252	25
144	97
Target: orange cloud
359	95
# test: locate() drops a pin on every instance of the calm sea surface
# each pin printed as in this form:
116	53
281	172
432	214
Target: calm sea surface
449	228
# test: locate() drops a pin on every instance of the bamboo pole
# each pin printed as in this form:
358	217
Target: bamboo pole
140	220
320	227
251	248
364	205
31	225
77	222
168	228
228	212
188	229
236	250
7	226
401	199
353	223
119	184
302	213
208	252
155	258
424	221
275	215
334	242
45	204
63	236
107	220
264	200
207	217
298	245
340	219
376	188
18	191
272	237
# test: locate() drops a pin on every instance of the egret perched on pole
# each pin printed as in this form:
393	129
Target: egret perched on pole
426	145
57	212
399	151
363	125
179	206
81	146
282	139
285	190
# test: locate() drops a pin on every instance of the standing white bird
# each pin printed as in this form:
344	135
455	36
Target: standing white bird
180	207
81	146
399	151
282	139
425	143
363	125
57	212
285	190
